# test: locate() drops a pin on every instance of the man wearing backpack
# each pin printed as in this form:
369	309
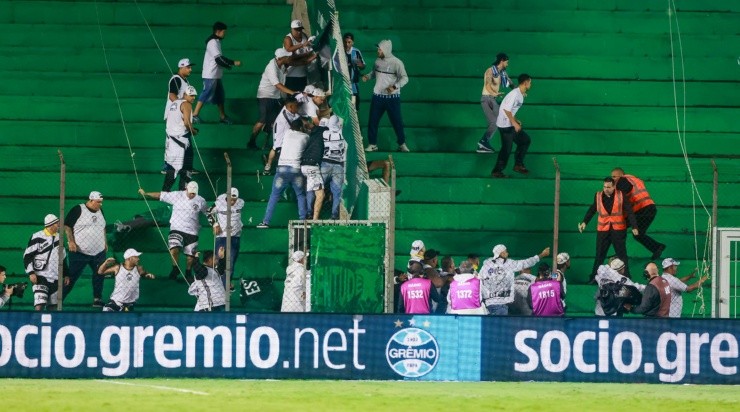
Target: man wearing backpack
615	289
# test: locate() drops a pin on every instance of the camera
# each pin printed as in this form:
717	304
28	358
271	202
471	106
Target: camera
19	289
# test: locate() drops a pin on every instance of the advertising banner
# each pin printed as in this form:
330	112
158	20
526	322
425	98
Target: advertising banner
380	347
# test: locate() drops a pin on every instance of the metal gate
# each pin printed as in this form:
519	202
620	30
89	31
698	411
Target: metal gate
726	272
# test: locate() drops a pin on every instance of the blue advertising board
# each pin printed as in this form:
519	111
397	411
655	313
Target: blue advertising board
385	347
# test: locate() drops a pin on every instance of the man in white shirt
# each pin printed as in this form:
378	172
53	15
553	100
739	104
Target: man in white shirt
271	85
127	274
208	285
213	70
678	285
289	171
86	238
280	126
511	129
294	293
312	100
184	223
300	46
221	222
178	145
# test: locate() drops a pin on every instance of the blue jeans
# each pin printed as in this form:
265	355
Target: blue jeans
235	244
77	263
213	92
287	176
380	105
498	310
334	179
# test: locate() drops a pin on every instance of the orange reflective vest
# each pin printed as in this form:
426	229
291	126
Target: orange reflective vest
614	219
638	196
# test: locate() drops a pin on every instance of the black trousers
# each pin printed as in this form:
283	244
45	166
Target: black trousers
645	217
508	137
616	238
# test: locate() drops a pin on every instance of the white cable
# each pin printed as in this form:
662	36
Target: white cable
125	133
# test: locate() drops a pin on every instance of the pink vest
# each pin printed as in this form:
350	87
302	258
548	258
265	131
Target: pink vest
416	295
465	294
546	298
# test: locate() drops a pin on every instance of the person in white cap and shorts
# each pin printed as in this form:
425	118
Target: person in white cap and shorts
219	221
184	224
87	243
178	144
497	278
41	262
214	63
294	295
271	85
300	46
678	285
127	274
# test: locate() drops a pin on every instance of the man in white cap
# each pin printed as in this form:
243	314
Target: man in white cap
497	278
271	85
220	221
41	262
86	239
127	274
311	101
294	295
417	250
678	285
390	76
300	46
184	224
178	83
178	143
214	63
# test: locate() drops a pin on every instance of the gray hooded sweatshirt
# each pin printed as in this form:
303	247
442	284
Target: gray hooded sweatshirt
388	71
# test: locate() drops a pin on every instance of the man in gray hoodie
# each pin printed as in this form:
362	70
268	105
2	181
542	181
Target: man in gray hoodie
390	76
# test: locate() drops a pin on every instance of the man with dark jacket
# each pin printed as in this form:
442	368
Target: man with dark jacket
311	169
656	299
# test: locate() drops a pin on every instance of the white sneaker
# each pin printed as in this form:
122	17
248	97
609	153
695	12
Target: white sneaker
403	148
371	148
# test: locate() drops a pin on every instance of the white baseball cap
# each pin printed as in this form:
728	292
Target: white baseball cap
497	250
616	264
309	89
297	256
192	187
50	219
670	262
281	52
318	92
131	253
562	258
296	24
185	63
190	91
416	247
95	196
234	192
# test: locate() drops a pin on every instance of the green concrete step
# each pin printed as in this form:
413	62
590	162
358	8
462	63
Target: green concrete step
422	89
415	114
447	140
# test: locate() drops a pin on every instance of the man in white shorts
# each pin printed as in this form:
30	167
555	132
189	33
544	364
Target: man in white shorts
184	223
311	168
127	274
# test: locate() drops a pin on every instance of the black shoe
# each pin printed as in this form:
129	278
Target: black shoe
97	303
252	145
498	175
658	252
174	274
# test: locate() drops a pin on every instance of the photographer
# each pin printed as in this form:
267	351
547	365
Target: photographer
546	293
8	289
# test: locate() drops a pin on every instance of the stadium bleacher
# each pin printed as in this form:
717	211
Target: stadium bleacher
602	96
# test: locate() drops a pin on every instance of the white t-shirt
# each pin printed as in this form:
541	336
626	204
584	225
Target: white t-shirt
272	75
309	108
677	287
512	102
210	291
294	143
185	211
126	289
236	216
175	125
211	70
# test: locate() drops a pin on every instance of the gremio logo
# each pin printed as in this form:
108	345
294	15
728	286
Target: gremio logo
412	352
